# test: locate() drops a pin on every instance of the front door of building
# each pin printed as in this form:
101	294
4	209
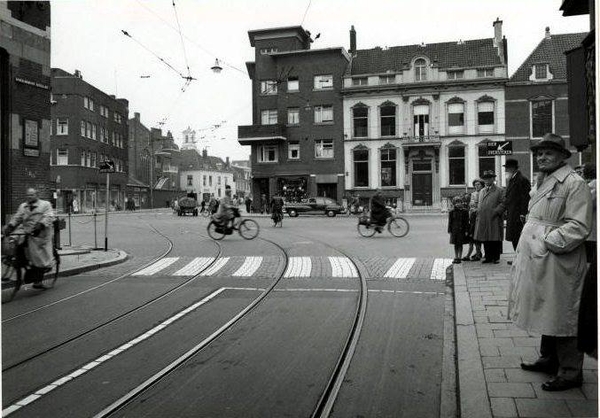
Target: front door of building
422	189
327	190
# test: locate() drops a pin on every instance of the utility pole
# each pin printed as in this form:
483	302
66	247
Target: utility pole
107	166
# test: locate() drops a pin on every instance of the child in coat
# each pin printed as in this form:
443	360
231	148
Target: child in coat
458	227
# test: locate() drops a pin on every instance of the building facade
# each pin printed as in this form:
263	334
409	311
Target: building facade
24	101
140	163
88	126
296	136
205	175
241	178
166	184
417	118
537	99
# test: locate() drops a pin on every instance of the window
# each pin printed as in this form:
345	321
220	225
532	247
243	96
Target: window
83	154
387	79
210	181
103	111
456	164
324	114
388	120
218	180
267	153
204	180
323	82
93	160
117	117
541	118
62	126
83	128
485	72
264	51
456	118
89	130
421	120
324	148
190	178
294	151
62	156
360	119
88	160
268	87
293	84
485	117
93	131
269	117
360	81
455	75
112	139
361	168
541	71
420	70
388	167
293	116
486	163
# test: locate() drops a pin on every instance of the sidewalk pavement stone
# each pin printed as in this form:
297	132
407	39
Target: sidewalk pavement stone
490	350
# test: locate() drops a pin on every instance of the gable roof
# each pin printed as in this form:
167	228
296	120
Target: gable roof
473	53
192	160
550	51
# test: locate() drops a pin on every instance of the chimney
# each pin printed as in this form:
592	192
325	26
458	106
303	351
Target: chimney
352	41
227	161
78	74
136	115
498	40
204	153
547	34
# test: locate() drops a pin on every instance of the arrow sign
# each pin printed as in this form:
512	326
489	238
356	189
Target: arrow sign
107	166
499	148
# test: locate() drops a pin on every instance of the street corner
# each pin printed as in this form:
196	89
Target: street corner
80	260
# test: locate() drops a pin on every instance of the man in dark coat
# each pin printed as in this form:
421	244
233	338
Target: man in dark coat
516	200
379	212
488	227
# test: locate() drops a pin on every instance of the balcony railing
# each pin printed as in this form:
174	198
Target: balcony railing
421	139
249	134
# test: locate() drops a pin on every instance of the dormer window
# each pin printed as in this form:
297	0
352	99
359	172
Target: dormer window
360	81
485	72
420	70
541	71
455	75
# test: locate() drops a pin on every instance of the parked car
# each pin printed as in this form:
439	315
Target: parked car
314	206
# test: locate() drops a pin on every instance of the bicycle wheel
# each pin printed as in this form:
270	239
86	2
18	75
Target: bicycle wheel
51	276
398	226
365	230
248	229
11	279
213	232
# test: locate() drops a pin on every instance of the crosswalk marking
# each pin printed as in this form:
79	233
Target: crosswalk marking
438	272
342	267
400	268
251	264
194	267
156	267
298	267
215	267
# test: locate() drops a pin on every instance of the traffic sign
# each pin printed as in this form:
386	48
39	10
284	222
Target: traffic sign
107	166
499	148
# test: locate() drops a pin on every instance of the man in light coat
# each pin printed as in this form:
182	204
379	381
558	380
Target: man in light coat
488	227
36	218
547	274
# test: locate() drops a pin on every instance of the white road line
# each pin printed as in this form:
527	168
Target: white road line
215	267
194	267
156	267
251	264
400	268
298	267
41	392
438	272
342	267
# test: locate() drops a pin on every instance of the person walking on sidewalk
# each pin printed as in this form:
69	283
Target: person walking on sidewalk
547	274
458	227
488	228
516	200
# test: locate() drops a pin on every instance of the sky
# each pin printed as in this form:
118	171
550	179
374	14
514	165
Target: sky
87	36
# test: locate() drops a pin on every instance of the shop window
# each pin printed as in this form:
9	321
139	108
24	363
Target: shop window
360	119
456	165
361	168
388	167
388	120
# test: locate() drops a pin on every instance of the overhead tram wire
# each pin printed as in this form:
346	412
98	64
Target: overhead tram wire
153	53
305	12
182	43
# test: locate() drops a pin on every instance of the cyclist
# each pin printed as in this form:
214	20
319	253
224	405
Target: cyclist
227	211
276	205
35	216
354	203
379	211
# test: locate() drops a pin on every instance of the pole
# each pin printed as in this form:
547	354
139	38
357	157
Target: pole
69	228
95	232
106	212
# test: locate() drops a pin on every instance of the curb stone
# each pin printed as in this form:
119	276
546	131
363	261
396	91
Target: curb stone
121	257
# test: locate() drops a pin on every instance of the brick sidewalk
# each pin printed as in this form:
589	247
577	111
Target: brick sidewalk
490	350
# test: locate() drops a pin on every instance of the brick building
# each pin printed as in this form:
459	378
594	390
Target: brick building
537	98
88	126
140	162
24	101
166	185
417	118
296	136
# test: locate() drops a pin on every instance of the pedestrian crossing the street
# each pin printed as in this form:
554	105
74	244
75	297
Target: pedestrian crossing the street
298	267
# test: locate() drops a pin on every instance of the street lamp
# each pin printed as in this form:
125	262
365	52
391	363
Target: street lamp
216	68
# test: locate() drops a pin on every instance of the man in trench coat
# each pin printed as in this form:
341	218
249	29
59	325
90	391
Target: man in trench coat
548	271
516	201
36	217
488	227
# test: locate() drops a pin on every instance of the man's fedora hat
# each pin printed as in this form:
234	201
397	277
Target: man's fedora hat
552	141
511	163
488	174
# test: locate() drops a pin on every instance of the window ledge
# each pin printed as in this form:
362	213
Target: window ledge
324	89
457	186
295	125
323	123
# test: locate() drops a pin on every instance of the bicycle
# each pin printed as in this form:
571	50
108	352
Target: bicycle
396	225
15	271
277	218
247	228
356	210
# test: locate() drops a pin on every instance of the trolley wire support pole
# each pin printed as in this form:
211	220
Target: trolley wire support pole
95	232
106	211
69	228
